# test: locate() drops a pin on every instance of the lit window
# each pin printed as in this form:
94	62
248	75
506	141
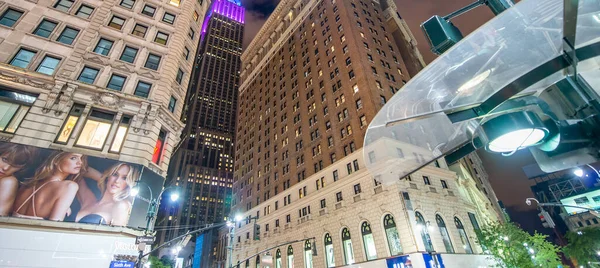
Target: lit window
117	142
103	47
139	30
22	58
168	18
391	233
196	15
68	35
67	128
158	148
129	54
368	241
142	89
116	82
148	10
152	61
347	247
11	114
84	11
161	38
116	22
10	17
64	5
88	75
175	2
48	65
96	129
45	28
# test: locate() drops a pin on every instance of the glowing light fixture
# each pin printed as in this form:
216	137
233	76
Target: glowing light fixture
514	131
174	196
578	172
466	87
134	191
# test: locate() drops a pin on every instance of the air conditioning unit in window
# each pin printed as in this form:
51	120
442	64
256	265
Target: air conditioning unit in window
357	198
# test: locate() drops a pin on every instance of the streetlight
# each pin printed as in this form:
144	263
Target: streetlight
153	207
591	211
579	172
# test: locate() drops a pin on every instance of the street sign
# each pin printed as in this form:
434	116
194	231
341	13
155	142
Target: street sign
149	240
121	264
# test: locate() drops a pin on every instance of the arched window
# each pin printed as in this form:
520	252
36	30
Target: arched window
347	245
258	261
444	232
290	257
329	258
423	229
368	241
308	254
463	236
278	258
247	263
391	233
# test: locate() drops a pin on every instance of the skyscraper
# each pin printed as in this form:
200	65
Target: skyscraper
203	164
312	80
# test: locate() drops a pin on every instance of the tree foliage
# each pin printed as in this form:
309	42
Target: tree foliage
511	247
155	262
584	245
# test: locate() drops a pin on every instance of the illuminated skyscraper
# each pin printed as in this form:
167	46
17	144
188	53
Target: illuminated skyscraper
203	164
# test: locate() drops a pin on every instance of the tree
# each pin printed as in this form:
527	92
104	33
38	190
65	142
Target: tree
511	247
158	263
584	245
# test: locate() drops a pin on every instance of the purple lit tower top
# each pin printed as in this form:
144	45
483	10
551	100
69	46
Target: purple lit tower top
232	9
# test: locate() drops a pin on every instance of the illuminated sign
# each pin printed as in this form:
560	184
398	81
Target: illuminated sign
589	200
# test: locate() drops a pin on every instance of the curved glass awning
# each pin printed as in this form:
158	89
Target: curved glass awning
519	51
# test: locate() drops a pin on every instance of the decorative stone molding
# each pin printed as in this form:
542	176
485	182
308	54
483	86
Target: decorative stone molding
170	121
145	118
60	98
124	66
107	99
26	80
95	58
150	74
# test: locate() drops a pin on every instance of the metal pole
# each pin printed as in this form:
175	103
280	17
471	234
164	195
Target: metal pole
283	244
465	9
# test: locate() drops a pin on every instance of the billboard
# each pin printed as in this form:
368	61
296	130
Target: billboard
589	200
45	184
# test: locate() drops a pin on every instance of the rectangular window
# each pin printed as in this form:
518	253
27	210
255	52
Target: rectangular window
69	125
179	77
355	164
48	65
127	3
116	82
12	113
186	53
161	38
103	47
84	11
158	149
323	203
117	142
10	17
349	168
336	175
22	58
129	54
338	196
149	10
357	189
191	33
175	2
88	75
68	35
116	22
45	28
172	104
64	5
195	16
95	130
400	153
152	61
142	89
444	184
139	30
426	180
168	18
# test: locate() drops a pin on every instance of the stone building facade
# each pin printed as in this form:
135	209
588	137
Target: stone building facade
127	59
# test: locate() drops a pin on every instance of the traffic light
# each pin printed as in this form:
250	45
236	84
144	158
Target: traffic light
497	6
546	219
441	34
256	232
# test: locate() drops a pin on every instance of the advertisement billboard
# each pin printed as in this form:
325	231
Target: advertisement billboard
589	200
45	184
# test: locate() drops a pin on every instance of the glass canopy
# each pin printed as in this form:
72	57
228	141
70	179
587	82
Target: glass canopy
412	129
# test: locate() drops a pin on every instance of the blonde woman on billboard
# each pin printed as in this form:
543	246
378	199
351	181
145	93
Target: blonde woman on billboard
49	194
13	158
114	205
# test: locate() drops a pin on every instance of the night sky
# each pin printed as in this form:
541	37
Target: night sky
510	184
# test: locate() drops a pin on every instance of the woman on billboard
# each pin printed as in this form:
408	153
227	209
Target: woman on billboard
13	158
49	194
114	205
